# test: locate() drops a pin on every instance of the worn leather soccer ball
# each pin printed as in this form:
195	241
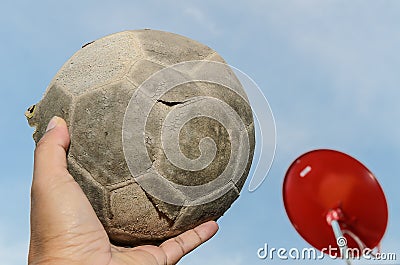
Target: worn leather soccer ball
148	173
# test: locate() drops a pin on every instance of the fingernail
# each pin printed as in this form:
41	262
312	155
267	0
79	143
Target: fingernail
53	123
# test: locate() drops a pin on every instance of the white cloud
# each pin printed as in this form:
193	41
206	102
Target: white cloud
201	18
354	48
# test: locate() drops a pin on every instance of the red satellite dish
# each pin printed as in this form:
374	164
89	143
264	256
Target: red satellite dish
327	190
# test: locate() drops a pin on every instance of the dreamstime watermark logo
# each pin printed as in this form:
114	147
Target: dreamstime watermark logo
333	252
341	241
150	92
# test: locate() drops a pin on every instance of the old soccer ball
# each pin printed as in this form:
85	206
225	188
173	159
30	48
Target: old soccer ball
162	133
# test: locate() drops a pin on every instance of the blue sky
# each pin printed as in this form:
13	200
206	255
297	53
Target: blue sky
328	68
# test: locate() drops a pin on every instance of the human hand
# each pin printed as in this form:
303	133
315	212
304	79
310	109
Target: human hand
65	228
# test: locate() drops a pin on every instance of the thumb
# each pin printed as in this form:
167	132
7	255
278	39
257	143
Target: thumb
50	153
54	191
57	201
60	211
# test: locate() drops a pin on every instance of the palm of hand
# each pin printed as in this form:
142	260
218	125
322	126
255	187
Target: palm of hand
65	228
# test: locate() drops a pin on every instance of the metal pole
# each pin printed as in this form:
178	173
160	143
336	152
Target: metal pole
340	241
